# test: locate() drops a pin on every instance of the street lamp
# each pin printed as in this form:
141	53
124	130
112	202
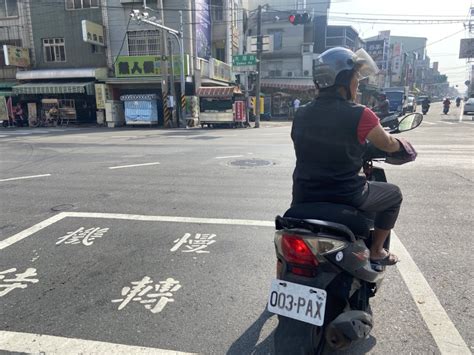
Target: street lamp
145	17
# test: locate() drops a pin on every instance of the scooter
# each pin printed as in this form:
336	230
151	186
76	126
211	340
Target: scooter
445	109
324	275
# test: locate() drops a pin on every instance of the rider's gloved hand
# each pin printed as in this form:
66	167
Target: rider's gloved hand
405	154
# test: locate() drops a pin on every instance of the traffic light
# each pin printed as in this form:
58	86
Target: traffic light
299	19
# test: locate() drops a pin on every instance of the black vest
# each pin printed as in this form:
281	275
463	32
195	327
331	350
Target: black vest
329	156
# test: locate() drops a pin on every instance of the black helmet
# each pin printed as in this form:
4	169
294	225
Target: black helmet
336	66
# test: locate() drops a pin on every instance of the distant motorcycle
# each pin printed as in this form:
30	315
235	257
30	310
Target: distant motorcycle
446	104
425	109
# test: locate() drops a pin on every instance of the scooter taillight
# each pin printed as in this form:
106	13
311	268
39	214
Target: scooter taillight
296	251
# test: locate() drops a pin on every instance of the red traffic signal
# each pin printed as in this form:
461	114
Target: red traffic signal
299	19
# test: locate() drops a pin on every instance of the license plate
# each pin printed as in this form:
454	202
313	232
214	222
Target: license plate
306	304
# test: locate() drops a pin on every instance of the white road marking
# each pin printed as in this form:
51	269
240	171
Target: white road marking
25	177
446	122
444	332
132	166
241	222
426	122
27	232
47	344
230	156
461	111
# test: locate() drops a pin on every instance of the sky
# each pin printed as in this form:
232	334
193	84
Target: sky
446	52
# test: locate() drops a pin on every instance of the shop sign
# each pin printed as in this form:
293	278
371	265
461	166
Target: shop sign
219	70
93	33
239	107
203	28
148	65
102	94
3	108
32	112
466	48
16	56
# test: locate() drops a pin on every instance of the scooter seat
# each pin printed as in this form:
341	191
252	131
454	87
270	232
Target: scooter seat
349	216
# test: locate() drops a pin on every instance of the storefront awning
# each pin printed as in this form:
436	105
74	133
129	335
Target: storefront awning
73	73
6	85
297	84
55	88
7	93
217	91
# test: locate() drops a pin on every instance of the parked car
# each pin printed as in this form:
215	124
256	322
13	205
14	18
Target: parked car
469	106
411	104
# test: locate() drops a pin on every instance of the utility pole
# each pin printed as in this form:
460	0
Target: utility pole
259	58
167	114
182	114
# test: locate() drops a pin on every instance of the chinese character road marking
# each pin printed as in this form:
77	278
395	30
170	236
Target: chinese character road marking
195	245
161	293
86	236
19	281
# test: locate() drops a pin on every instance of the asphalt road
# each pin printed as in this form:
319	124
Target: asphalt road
178	254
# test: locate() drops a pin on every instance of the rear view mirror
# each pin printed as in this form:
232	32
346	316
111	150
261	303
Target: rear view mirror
410	122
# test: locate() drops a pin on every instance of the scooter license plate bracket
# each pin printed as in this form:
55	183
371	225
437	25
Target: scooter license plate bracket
300	302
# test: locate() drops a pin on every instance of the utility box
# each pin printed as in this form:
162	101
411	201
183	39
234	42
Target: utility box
114	114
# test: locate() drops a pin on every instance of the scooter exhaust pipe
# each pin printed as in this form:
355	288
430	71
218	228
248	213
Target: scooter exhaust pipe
348	328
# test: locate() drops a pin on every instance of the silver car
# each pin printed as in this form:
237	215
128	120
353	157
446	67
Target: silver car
469	106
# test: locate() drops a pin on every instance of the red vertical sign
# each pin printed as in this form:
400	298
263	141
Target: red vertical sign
239	111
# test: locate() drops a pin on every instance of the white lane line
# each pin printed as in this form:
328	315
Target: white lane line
230	156
444	332
25	177
32	230
461	111
132	166
446	122
426	122
240	222
47	344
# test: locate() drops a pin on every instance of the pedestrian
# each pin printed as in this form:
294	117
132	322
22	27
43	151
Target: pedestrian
19	116
296	105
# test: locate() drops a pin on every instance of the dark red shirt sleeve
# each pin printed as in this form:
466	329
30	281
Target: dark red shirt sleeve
368	121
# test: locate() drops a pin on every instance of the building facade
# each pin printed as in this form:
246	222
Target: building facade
15	33
286	71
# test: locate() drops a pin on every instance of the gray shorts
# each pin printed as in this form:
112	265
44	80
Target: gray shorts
385	200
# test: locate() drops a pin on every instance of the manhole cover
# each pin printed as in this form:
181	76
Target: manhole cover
250	163
64	207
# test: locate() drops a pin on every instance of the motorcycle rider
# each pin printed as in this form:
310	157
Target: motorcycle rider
329	137
382	110
458	101
446	104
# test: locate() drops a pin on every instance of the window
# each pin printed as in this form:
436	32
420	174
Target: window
54	50
334	32
277	38
81	4
217	10
220	54
144	43
8	8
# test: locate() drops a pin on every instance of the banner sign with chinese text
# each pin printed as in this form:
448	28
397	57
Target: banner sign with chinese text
148	65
